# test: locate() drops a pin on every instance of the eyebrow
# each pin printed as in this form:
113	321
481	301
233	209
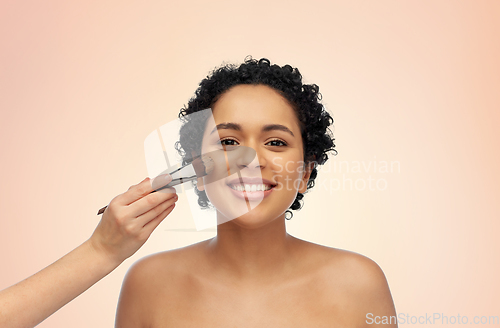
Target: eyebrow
265	128
227	126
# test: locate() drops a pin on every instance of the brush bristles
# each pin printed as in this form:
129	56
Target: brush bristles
208	162
203	165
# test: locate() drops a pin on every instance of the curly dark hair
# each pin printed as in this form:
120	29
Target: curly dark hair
313	119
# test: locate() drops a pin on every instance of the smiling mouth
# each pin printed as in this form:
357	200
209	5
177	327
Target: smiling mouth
251	187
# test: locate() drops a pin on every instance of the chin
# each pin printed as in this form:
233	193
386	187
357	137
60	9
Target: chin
256	219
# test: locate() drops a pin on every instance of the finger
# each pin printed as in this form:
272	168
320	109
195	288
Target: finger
161	181
142	189
148	203
143	219
151	225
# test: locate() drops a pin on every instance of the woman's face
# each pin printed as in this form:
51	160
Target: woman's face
258	117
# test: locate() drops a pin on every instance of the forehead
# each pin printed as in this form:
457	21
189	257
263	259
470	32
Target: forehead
254	105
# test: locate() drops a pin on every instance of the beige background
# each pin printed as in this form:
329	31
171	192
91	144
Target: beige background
415	82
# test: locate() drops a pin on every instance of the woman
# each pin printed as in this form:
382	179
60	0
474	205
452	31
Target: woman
253	273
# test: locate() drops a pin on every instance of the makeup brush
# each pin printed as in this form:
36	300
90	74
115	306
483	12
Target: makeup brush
203	165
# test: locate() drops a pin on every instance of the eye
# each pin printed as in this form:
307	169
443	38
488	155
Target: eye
277	143
228	142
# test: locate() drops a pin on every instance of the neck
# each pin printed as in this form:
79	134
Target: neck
252	253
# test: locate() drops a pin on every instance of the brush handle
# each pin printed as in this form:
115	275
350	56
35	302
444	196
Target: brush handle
172	183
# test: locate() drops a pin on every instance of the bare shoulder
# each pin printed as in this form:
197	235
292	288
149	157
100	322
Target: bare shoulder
355	268
337	261
153	268
354	282
159	278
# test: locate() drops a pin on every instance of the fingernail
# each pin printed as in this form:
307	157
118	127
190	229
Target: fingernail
168	177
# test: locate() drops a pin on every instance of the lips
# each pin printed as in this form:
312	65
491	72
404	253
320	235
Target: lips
251	188
251	180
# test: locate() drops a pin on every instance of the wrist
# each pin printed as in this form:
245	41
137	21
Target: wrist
109	259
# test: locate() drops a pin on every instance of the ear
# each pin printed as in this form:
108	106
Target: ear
305	178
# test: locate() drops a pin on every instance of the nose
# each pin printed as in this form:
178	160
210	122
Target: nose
258	161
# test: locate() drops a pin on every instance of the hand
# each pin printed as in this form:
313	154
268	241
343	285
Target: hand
131	217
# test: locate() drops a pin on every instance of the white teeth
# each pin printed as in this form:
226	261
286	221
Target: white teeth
250	187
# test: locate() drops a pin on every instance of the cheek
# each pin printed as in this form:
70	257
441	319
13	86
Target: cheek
287	166
288	174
